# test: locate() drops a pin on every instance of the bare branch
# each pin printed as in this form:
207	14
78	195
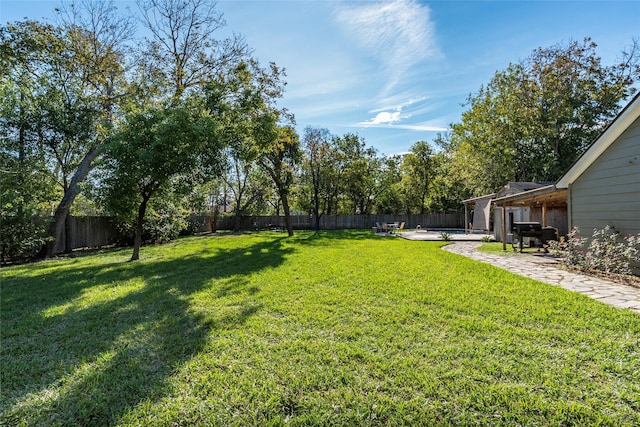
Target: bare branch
184	49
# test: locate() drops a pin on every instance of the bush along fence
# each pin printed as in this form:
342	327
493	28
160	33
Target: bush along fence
79	232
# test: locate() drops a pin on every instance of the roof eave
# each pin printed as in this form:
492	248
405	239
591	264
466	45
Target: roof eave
475	199
549	192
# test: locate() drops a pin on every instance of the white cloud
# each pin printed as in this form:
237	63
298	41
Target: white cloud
398	116
383	118
399	33
386	119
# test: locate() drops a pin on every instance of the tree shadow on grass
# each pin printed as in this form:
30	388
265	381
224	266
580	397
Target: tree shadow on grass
330	237
88	363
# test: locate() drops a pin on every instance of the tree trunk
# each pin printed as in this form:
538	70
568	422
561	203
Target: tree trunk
68	235
287	214
57	227
137	241
22	150
236	224
213	222
316	208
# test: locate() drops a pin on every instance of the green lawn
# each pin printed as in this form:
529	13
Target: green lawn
342	328
496	249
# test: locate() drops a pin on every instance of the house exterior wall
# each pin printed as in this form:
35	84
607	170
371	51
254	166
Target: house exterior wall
608	192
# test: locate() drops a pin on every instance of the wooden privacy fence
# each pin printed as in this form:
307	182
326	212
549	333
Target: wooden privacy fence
91	232
95	232
332	222
87	232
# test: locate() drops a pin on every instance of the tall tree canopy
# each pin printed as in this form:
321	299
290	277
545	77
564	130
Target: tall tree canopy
279	159
358	167
318	176
418	168
70	75
532	120
244	100
67	89
26	186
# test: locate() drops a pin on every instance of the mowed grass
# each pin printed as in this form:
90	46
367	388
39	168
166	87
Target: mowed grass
336	328
496	249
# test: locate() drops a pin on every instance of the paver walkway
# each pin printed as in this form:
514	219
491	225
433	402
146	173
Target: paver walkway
542	268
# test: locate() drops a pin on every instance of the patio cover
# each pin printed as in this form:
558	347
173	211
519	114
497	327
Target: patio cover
548	196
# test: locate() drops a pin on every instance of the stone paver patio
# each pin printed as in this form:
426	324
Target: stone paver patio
542	268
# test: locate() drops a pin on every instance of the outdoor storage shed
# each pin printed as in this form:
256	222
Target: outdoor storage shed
604	183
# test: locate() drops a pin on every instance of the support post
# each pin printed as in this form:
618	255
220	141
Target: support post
504	228
466	218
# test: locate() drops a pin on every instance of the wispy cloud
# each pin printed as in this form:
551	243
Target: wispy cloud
391	121
423	127
397	103
399	33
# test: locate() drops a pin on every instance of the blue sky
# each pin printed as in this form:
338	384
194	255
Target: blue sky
398	71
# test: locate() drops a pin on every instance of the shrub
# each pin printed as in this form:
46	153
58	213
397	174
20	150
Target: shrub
445	236
608	252
21	236
570	249
164	222
611	253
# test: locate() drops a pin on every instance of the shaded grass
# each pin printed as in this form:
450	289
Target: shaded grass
337	328
496	249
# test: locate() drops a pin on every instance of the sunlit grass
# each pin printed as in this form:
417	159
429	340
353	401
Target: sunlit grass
340	328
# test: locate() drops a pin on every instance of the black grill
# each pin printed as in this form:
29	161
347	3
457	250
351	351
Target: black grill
533	230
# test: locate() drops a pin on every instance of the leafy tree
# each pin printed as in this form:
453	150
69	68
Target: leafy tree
237	176
22	178
74	73
388	199
418	172
358	168
319	176
244	101
156	151
446	190
339	175
532	120
25	189
278	159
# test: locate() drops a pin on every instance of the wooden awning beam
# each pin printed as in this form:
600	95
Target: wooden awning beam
546	195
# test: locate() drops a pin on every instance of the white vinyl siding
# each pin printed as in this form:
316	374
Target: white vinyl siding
608	192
